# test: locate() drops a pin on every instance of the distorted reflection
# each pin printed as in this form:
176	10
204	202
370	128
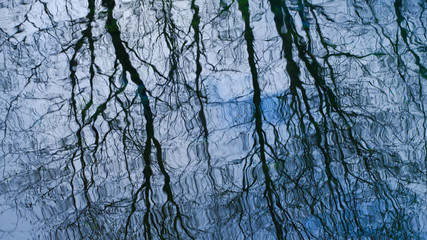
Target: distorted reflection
272	119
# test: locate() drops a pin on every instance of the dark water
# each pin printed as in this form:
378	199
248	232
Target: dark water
275	119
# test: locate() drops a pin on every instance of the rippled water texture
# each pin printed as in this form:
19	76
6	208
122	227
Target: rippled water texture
213	119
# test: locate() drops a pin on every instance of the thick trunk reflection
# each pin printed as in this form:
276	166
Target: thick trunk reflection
170	206
269	187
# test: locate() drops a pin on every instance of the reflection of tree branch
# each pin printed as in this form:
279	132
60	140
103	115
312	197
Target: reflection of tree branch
269	185
404	33
123	57
326	139
100	171
79	152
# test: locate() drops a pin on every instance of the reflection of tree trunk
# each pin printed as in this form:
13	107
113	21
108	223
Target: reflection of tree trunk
195	24
269	186
326	128
81	149
323	177
401	21
205	155
145	189
169	32
290	37
422	69
123	57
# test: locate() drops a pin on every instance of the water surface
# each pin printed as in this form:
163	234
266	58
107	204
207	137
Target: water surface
275	119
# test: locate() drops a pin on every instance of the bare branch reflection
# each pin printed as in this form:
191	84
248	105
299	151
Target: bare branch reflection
274	119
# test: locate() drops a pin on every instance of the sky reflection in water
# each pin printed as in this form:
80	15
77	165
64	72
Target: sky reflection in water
225	119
